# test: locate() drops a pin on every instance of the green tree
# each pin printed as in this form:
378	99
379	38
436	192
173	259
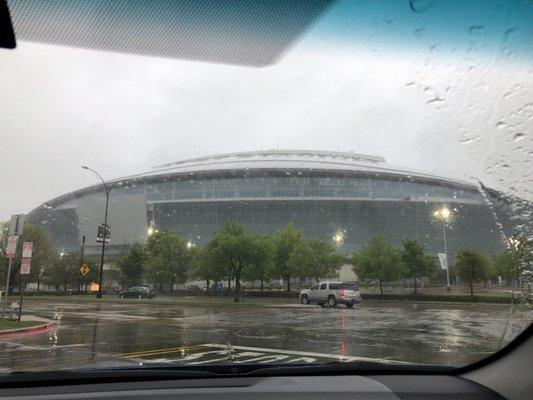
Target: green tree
379	261
205	267
43	254
157	271
471	267
315	258
416	262
4	233
261	268
524	248
507	265
64	271
286	241
237	250
168	259
131	265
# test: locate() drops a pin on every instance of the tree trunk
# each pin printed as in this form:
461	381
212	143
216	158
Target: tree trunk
229	285
262	285
38	285
288	283
310	280
380	286
416	292
160	286
471	288
237	287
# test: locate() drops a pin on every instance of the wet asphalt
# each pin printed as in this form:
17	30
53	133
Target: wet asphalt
94	335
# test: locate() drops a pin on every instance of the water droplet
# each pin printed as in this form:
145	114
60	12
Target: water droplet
508	33
475	29
519	136
419	6
435	100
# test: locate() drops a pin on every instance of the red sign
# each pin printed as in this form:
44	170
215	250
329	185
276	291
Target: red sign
25	266
11	246
27	248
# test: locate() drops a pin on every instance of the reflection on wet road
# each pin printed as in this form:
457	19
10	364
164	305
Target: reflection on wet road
113	334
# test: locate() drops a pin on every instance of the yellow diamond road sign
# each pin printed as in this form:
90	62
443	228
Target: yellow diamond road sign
84	269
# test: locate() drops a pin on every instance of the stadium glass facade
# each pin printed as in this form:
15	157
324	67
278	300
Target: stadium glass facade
340	197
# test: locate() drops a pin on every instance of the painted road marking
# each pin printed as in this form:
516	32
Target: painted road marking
293	352
116	317
158	351
226	353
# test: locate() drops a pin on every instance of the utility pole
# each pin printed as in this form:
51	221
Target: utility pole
104	236
81	258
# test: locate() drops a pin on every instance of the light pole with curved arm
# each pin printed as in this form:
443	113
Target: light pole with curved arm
107	192
444	214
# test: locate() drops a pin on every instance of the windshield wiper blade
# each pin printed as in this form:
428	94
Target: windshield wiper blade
348	367
49	378
63	377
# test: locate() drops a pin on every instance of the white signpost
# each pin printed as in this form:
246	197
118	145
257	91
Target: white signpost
25	266
27	248
25	263
15	229
11	246
11	249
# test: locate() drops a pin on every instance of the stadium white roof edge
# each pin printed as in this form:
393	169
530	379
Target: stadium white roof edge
277	153
268	160
305	160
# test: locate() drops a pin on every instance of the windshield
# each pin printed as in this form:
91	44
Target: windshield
182	180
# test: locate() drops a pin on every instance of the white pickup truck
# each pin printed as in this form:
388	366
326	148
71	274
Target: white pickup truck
331	293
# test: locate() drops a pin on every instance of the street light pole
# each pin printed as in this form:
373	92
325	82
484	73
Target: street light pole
107	191
444	214
448	289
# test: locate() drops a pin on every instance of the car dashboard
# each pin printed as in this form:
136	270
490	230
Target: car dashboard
339	387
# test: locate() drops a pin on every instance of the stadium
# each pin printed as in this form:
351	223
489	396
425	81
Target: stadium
343	197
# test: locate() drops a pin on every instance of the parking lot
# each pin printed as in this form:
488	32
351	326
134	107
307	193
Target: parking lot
104	334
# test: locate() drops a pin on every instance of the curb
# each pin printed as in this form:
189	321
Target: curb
29	330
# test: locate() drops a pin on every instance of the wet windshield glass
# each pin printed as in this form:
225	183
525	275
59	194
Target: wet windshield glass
185	196
345	286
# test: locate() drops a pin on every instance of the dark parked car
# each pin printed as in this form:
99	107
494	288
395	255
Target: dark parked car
138	292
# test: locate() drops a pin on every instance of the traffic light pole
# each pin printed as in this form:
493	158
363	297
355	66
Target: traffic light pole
99	295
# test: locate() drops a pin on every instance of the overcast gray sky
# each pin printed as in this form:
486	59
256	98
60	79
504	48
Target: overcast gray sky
61	108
